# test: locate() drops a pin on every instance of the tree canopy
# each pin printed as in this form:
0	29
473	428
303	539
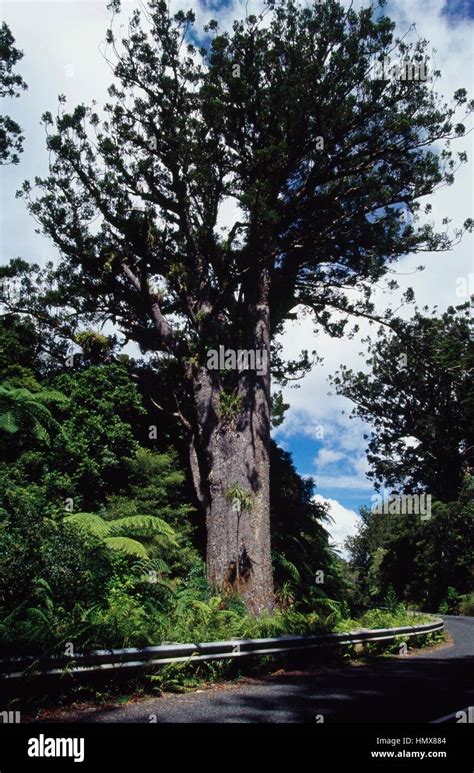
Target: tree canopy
11	85
418	399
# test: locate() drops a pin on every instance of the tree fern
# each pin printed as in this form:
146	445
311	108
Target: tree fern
21	409
287	566
152	565
91	522
126	545
119	533
143	525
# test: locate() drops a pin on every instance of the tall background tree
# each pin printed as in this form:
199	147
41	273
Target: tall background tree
418	398
11	85
321	158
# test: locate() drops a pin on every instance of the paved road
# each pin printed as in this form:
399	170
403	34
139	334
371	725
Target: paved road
419	688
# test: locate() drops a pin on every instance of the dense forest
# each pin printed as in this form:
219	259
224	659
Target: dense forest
101	541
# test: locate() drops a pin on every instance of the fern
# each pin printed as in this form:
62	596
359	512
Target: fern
90	522
8	423
143	525
20	408
287	566
119	533
156	565
126	545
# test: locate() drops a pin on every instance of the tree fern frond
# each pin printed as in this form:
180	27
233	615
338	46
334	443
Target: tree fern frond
156	565
8	422
91	522
127	545
142	525
288	566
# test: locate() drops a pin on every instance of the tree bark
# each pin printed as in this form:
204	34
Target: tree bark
232	451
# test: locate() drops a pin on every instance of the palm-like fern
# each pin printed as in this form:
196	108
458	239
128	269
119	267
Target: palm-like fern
20	408
121	533
287	566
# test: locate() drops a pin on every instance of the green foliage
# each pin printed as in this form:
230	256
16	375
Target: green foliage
466	605
175	677
240	497
21	411
104	409
49	571
123	621
381	618
95	346
77	590
230	406
126	545
157	488
94	579
11	84
19	344
450	604
116	532
419	561
419	387
94	415
278	409
391	602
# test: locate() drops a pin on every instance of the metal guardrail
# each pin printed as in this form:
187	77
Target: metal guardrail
103	660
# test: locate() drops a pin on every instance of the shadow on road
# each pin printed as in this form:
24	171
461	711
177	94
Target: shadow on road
414	689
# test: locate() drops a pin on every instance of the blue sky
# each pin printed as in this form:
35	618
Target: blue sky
457	10
304	451
61	41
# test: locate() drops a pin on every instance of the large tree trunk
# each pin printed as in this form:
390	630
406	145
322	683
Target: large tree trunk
230	462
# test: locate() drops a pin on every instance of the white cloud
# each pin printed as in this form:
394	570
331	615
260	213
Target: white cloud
357	482
344	522
327	456
410	441
302	422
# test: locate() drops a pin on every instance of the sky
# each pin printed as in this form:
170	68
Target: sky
63	42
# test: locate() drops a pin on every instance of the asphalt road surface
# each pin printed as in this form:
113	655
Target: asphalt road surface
424	687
